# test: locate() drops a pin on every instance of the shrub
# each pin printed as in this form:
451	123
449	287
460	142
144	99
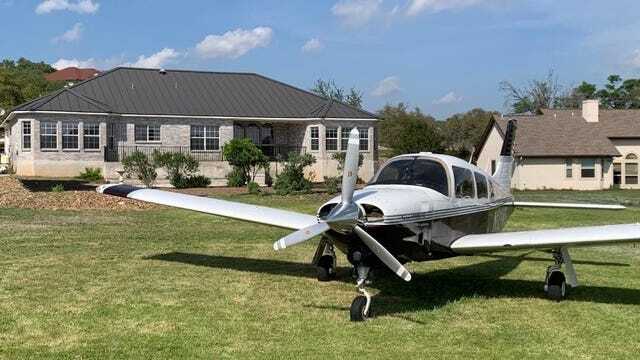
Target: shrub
180	168
332	184
139	165
57	188
246	158
194	181
292	177
235	178
253	188
341	157
91	174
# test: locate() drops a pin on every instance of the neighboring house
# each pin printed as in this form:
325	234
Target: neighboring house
72	74
97	122
588	149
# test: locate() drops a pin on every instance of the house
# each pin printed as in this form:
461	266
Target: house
97	122
587	149
72	74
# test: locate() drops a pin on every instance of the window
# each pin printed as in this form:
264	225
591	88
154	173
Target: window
617	173
147	133
70	136
493	167
481	185
315	138
588	168
631	170
364	139
48	136
464	182
344	138
91	136
418	172
26	135
568	168
331	135
205	138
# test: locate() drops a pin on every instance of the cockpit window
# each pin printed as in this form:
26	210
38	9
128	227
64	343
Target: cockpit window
481	185
420	172
464	182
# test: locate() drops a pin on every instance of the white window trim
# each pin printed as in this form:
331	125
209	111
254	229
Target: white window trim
204	138
595	172
58	144
22	122
311	138
84	127
364	131
77	136
337	138
147	141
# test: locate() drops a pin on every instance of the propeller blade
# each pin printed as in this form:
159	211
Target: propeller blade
350	171
382	253
301	235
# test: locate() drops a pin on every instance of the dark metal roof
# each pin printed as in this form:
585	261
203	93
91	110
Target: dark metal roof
191	93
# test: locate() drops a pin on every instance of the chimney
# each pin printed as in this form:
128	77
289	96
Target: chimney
590	110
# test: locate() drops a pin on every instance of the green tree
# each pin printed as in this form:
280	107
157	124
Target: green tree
538	94
23	80
246	158
329	90
573	98
403	131
462	132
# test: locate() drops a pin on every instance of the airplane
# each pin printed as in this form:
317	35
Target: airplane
417	207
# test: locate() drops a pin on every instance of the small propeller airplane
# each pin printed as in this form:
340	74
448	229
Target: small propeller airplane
418	207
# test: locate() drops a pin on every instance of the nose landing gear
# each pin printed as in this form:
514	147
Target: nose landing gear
361	305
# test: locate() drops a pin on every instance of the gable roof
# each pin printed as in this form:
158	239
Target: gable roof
72	74
192	93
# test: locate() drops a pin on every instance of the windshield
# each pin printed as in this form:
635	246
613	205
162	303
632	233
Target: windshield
419	172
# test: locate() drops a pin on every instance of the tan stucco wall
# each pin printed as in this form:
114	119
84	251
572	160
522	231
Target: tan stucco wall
490	150
626	147
549	173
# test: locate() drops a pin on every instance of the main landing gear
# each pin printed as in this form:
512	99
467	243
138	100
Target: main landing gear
555	281
325	261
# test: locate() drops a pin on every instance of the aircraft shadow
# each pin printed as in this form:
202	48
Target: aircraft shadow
426	291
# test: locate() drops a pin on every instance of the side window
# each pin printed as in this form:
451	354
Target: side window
315	138
481	185
464	182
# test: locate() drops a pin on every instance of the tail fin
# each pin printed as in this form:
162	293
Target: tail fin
506	162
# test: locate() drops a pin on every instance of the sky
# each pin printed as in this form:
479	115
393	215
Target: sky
444	56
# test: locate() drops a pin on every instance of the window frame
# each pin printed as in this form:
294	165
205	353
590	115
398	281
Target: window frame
480	178
28	136
314	141
493	166
631	159
455	183
332	139
364	139
214	138
344	138
87	136
568	168
583	168
45	134
147	132
70	127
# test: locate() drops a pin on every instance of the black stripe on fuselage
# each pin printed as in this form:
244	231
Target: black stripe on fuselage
120	190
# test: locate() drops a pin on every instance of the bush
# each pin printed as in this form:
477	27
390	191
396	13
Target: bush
91	174
332	184
57	188
253	188
236	178
180	168
194	181
139	165
292	177
341	157
246	158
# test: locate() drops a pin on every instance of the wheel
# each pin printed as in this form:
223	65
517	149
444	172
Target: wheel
556	286
358	309
325	269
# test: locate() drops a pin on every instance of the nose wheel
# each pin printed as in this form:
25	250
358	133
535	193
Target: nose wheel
361	306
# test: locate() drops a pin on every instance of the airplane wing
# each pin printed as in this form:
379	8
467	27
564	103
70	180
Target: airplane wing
230	209
548	239
568	205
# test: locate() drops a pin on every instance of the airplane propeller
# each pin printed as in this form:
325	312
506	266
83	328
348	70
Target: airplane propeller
344	216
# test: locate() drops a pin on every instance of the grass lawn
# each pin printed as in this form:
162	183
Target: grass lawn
168	283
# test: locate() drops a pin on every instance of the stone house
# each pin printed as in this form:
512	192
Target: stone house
97	122
585	149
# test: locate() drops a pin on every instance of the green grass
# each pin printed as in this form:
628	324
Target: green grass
175	284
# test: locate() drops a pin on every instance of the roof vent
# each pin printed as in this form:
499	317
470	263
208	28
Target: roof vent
162	71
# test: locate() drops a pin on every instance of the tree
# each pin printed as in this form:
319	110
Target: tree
403	131
23	80
292	179
573	98
139	165
181	169
538	94
246	158
462	132
328	89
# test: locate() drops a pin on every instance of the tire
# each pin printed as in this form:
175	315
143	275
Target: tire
357	312
325	269
557	286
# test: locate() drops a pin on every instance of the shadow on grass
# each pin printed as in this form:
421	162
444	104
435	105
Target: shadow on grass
427	291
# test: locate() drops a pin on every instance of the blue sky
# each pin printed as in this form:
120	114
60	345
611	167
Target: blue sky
444	56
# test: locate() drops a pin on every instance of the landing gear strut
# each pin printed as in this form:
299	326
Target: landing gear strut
555	281
361	305
325	261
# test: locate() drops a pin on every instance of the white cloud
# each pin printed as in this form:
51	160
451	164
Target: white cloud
156	60
356	12
635	59
387	86
449	98
312	45
417	6
235	43
71	35
78	6
65	63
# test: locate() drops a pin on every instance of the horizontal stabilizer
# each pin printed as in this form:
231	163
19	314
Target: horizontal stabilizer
230	209
547	239
568	205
